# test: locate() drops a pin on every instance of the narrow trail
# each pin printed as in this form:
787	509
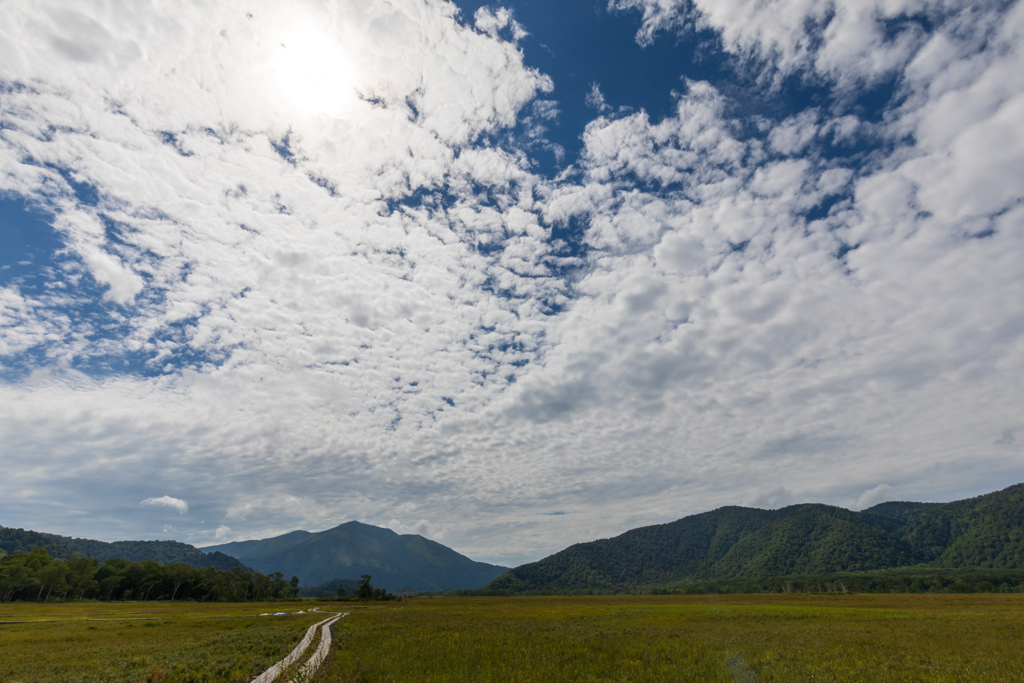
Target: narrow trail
314	662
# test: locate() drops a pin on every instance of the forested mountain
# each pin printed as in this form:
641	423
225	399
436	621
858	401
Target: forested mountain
352	549
35	575
737	542
22	541
63	547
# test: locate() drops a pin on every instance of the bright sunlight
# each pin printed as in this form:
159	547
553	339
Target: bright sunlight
313	72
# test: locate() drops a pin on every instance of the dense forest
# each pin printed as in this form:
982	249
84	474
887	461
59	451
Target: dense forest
735	543
63	548
36	575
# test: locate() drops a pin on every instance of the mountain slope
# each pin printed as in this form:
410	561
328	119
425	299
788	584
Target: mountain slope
264	546
352	549
63	547
735	542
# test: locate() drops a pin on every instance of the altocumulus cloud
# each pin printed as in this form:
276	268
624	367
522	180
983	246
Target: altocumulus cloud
389	312
176	504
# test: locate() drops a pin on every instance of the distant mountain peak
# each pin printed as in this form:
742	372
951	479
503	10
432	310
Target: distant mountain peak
353	548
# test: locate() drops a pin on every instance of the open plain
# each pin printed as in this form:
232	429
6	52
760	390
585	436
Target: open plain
742	638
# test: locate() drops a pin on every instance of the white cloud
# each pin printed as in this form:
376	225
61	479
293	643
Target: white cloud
850	42
794	134
595	99
176	504
239	511
871	497
492	22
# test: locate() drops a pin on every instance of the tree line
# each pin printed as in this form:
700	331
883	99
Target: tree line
36	575
900	580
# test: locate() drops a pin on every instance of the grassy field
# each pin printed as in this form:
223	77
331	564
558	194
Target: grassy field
652	638
144	641
684	638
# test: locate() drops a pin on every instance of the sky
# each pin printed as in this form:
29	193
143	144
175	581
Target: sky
509	276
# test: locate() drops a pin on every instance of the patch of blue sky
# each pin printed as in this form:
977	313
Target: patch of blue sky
579	43
28	246
36	263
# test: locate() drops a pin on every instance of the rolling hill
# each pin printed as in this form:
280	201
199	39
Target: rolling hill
63	547
352	549
737	542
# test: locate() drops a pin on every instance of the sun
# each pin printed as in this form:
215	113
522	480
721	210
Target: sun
313	72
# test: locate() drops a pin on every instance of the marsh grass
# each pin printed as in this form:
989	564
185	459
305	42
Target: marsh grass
132	642
691	638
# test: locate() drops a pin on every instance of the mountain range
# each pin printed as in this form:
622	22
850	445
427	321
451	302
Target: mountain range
395	561
736	542
727	544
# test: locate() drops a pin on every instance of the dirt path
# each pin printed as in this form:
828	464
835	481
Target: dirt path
314	662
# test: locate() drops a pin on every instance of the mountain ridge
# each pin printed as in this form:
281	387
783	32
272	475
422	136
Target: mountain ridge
64	547
735	542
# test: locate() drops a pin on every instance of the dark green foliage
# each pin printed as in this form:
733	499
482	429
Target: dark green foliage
21	541
366	591
350	586
62	547
899	580
35	575
352	549
811	539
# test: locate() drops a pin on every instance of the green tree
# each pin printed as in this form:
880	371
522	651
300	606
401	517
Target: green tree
82	575
53	578
365	591
179	574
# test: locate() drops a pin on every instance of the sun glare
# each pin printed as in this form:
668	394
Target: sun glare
313	72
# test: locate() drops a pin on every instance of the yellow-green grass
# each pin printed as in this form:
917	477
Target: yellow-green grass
684	638
143	641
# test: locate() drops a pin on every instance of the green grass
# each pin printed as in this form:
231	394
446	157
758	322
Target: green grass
686	638
132	642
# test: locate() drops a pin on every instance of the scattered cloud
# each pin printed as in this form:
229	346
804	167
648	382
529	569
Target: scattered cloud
595	99
851	42
493	22
389	313
239	512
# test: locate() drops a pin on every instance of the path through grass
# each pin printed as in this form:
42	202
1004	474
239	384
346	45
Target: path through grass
133	642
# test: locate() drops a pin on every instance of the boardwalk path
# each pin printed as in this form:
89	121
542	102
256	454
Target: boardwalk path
314	661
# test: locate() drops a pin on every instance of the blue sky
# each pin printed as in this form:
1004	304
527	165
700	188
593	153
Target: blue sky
510	276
